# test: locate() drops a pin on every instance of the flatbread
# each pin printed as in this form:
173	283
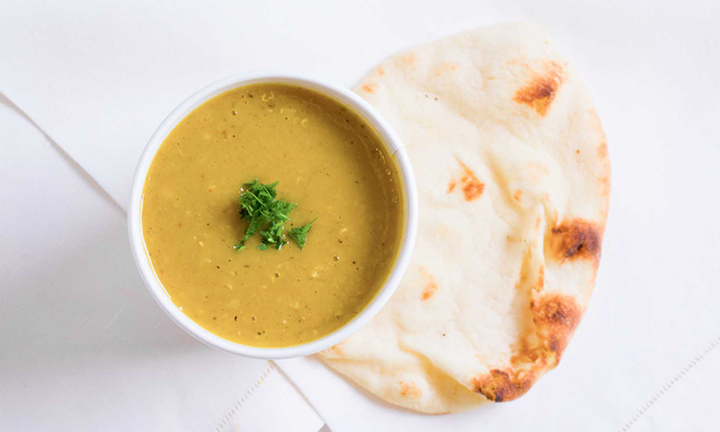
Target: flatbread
514	182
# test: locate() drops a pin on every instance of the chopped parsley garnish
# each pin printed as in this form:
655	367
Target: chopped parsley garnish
266	216
299	235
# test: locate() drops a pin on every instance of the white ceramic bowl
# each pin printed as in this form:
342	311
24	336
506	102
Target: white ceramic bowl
144	264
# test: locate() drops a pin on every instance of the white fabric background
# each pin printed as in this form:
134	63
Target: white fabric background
98	78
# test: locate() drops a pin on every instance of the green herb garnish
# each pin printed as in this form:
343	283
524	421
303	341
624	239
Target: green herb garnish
299	235
267	216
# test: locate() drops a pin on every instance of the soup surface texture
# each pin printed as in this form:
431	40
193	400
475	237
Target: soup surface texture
328	160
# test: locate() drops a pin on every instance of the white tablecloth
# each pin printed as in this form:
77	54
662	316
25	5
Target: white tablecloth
85	348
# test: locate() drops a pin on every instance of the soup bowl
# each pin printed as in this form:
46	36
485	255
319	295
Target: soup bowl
393	146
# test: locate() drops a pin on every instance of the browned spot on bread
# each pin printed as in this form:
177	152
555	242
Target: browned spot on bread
409	58
334	352
473	189
604	180
594	119
603	158
370	87
517	195
540	282
542	90
428	290
602	150
445	67
410	390
504	385
526	355
430	285
538	221
575	239
555	316
381	71
470	185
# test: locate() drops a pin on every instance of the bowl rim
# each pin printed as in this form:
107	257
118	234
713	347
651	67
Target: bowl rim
389	137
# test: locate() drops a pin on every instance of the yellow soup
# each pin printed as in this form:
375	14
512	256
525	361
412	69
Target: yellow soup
328	160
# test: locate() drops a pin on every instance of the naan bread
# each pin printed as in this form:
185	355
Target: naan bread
514	182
